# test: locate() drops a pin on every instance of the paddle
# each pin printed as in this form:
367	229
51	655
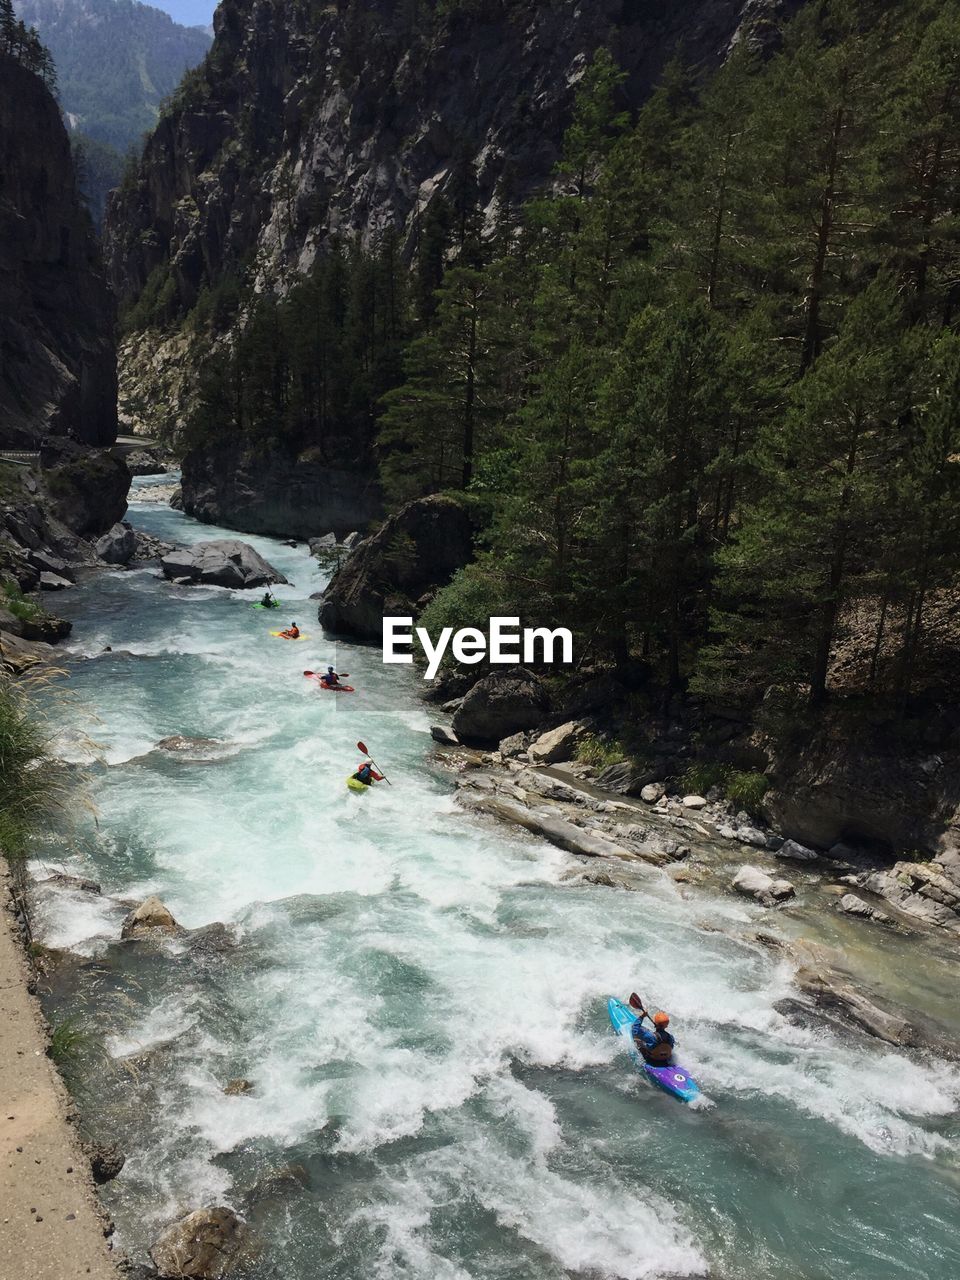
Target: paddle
362	746
340	674
636	1003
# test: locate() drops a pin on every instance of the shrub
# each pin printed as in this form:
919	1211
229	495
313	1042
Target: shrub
746	789
67	1040
18	604
599	751
29	779
701	777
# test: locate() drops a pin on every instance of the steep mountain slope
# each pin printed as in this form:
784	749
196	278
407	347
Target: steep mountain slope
116	61
310	121
58	366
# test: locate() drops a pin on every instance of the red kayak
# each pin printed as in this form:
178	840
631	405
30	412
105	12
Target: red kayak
331	688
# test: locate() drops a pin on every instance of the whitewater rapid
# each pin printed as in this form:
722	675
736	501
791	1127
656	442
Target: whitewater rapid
417	997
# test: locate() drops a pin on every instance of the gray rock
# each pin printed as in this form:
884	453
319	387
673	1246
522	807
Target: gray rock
557	744
501	704
53	582
694	802
324	546
652	792
851	905
444	736
47	562
752	836
754	883
794	852
118	545
207	1244
151	916
223	562
515	745
726	832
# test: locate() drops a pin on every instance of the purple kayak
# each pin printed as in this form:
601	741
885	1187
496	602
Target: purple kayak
673	1079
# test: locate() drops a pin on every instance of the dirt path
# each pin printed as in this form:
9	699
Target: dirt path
50	1228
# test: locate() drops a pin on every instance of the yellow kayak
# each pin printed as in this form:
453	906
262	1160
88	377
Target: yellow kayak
356	785
280	636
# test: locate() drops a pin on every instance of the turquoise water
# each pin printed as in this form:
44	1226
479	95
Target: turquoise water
418	998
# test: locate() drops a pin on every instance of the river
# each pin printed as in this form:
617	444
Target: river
418	997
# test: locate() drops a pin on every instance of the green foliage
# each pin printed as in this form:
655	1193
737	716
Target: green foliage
744	788
703	776
600	751
29	779
116	61
473	595
21	606
68	1042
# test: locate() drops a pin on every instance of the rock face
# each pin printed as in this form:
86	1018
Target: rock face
413	553
222	562
870	790
274	493
501	704
361	139
929	891
207	1244
58	368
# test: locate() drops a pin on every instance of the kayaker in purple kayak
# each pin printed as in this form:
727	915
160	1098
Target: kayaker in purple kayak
657	1047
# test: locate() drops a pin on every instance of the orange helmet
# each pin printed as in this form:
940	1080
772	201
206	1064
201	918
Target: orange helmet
661	1019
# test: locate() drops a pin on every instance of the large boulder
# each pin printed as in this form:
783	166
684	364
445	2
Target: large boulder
501	704
222	562
557	744
87	491
207	1244
410	556
927	891
117	545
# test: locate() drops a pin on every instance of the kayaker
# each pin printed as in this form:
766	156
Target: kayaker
367	774
659	1051
292	632
268	601
330	678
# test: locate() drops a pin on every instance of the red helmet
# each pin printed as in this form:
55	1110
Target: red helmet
661	1019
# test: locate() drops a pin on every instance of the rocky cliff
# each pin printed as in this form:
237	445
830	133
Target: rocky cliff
58	369
274	493
309	121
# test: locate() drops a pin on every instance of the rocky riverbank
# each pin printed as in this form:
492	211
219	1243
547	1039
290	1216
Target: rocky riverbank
51	1225
706	848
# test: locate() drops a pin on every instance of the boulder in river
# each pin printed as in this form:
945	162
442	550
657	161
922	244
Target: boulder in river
207	1244
501	704
754	883
117	545
222	562
652	792
150	916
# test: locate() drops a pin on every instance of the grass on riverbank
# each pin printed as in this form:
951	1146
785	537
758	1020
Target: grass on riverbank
30	779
